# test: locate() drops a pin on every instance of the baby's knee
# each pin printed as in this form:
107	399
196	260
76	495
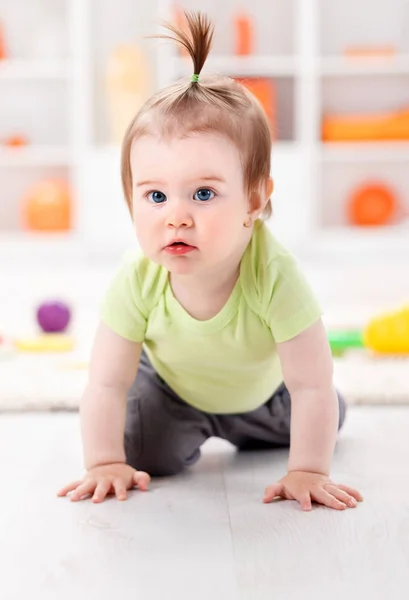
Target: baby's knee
159	466
158	461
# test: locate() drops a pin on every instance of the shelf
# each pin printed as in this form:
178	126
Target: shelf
244	66
358	242
32	156
39	246
32	69
360	152
285	147
37	238
344	66
299	45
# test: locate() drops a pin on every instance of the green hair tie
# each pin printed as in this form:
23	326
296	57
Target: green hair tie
195	79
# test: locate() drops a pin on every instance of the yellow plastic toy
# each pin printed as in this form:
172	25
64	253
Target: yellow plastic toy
128	85
388	333
50	342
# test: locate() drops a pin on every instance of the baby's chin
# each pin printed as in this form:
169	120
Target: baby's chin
178	265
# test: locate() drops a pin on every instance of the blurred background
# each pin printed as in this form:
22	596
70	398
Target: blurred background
334	80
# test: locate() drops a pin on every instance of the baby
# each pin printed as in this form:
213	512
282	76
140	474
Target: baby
212	330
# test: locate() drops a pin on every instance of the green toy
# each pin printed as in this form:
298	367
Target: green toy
385	334
343	340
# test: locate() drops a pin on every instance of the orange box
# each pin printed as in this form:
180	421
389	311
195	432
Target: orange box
265	92
373	127
244	35
3	51
369	51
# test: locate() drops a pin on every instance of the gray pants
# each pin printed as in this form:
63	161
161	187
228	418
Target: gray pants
163	434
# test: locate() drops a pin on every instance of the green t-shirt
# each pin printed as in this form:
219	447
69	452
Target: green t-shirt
227	364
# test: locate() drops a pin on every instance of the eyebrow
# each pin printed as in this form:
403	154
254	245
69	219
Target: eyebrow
203	178
148	182
211	178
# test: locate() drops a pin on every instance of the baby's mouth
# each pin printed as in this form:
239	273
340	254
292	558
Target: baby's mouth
179	247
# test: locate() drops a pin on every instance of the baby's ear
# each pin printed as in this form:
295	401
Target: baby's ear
260	196
269	187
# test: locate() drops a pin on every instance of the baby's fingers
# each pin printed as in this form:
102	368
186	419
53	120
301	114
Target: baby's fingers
120	489
341	495
304	498
323	497
141	479
83	490
69	488
101	490
273	491
351	491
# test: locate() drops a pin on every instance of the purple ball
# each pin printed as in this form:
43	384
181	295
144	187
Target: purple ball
53	317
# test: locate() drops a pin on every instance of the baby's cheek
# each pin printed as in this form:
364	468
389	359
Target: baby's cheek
143	233
216	229
224	232
142	222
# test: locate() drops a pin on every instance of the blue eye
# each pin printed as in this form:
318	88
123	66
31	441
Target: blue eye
157	197
203	195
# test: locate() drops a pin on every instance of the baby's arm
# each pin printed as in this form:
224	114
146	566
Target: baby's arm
308	374
113	366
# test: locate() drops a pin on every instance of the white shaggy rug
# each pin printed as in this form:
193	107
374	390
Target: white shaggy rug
32	382
350	293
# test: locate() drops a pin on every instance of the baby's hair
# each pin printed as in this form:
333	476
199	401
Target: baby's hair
210	104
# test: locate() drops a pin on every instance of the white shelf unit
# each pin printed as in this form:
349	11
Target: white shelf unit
35	69
366	85
31	156
36	102
299	44
241	66
361	152
364	66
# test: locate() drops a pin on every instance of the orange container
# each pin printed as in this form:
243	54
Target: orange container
16	141
47	207
372	204
180	20
370	51
265	92
244	34
3	51
374	127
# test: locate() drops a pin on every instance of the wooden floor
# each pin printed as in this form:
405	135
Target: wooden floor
205	534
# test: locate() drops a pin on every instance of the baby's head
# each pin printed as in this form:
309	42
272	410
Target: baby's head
196	165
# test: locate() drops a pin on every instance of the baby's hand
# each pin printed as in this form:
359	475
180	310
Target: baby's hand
115	478
304	487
